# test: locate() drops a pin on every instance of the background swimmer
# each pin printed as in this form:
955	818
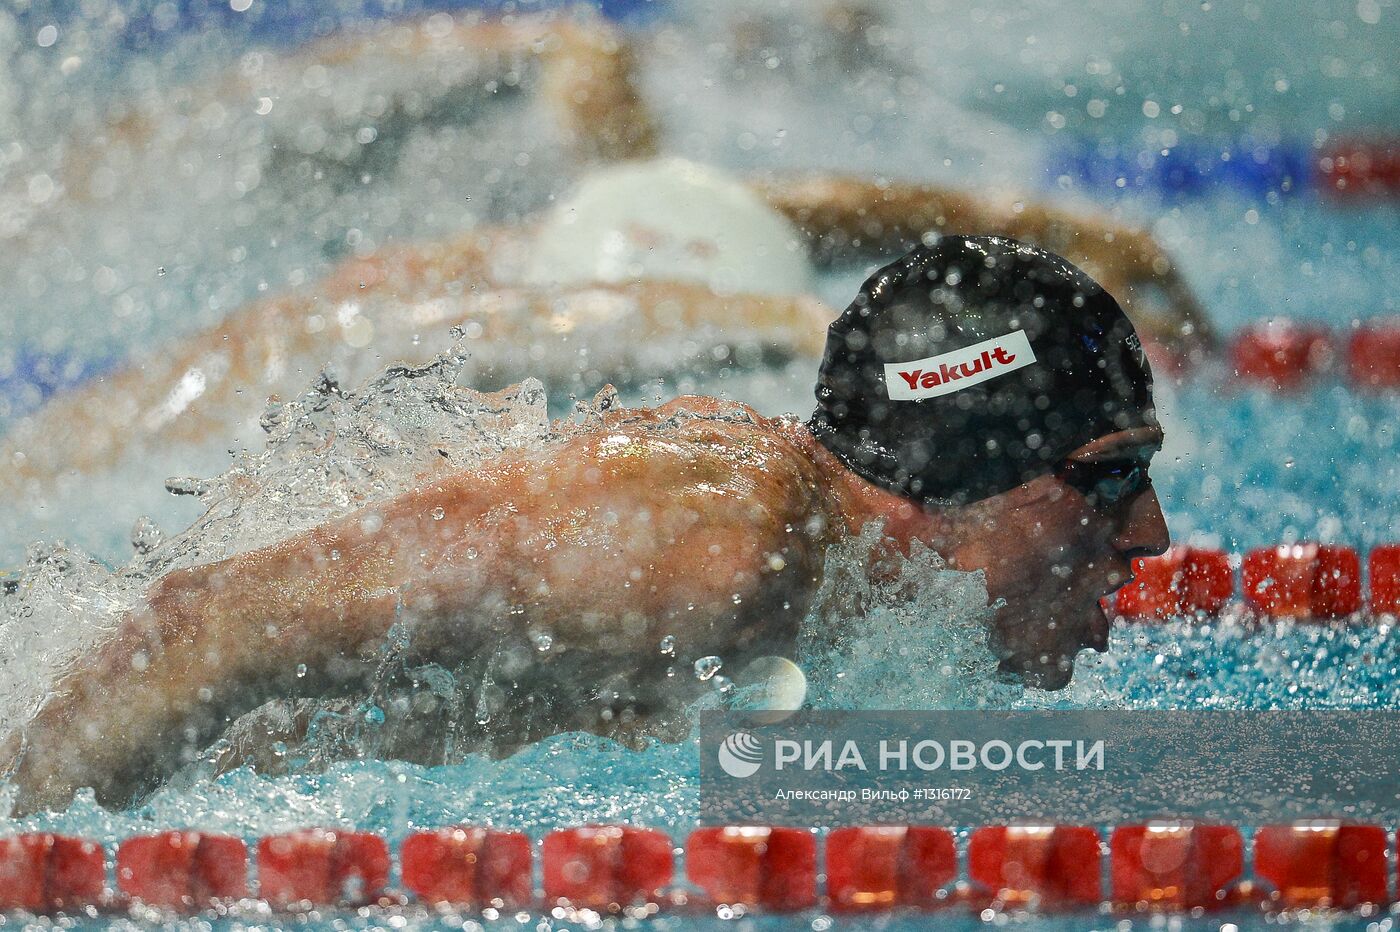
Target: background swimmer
647	269
345	108
698	517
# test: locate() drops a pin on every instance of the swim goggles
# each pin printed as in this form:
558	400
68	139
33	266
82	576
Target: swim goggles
1106	484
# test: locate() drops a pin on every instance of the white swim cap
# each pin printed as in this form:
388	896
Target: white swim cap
670	219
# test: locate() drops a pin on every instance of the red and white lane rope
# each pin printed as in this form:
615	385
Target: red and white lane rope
1303	581
1166	866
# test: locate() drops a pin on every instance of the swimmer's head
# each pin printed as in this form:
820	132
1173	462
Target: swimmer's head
1000	393
669	219
973	365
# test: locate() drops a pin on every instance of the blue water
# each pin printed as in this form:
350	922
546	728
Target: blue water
1259	467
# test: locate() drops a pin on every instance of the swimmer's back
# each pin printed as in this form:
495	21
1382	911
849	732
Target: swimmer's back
676	513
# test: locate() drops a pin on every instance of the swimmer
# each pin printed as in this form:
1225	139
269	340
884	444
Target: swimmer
357	93
980	396
654	267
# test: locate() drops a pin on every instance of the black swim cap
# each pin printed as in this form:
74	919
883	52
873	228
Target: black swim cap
973	365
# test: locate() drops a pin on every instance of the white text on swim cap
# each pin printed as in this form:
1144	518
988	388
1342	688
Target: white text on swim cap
951	372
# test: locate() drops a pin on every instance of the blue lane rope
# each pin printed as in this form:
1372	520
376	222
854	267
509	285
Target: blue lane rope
152	23
1189	169
29	376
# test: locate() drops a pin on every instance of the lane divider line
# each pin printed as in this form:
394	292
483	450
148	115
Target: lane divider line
1301	581
1160	866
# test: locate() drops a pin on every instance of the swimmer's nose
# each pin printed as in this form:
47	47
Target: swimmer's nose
1143	532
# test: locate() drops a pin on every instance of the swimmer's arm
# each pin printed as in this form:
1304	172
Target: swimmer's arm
587	72
189	389
207	644
587	77
848	217
656	310
605	545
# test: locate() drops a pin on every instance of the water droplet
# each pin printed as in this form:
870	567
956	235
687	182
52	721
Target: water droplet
1288	463
183	485
543	642
707	667
145	535
301	670
438	513
668	645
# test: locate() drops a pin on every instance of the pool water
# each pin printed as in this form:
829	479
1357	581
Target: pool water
971	96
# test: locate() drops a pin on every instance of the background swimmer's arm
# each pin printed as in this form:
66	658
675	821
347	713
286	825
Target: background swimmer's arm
683	319
616	539
587	76
200	387
855	218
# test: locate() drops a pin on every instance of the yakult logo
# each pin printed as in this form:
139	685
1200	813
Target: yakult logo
971	365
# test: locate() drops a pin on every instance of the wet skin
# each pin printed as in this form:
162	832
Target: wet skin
1043	549
1052	556
699	519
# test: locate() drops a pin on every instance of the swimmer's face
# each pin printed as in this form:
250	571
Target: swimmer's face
1056	545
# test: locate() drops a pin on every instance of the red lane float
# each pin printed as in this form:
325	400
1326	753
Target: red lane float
51	873
1286	354
1323	864
772	868
1373	354
1303	581
1174	865
1179	582
469	867
883	867
1166	866
1281	354
322	867
606	866
1046	866
1360	168
182	870
1385	580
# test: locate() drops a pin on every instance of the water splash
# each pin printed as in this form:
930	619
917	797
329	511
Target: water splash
61	604
912	637
328	453
331	452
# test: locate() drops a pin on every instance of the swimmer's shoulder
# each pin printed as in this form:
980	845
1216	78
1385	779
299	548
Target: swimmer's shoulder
725	437
717	463
708	406
723	420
